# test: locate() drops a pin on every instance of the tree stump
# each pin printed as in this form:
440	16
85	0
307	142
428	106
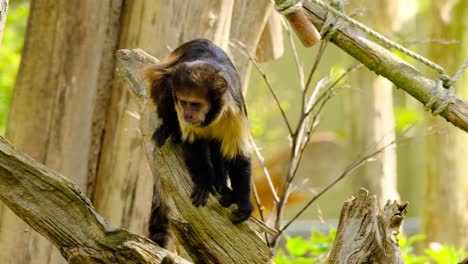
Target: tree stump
366	235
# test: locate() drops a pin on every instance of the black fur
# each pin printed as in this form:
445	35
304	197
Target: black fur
208	167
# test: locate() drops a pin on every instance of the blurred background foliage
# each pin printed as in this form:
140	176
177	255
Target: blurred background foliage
314	249
10	54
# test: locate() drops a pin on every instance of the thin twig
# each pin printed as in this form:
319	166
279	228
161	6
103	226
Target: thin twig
260	208
352	67
355	165
318	58
300	69
265	78
265	170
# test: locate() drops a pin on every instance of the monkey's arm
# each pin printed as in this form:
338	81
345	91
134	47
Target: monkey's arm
197	159
170	125
239	173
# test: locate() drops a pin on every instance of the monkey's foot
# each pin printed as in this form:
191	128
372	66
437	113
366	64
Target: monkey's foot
200	195
241	214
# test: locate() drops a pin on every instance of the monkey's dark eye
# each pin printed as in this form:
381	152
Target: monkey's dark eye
183	103
195	104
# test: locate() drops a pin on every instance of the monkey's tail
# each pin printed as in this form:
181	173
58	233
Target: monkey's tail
159	231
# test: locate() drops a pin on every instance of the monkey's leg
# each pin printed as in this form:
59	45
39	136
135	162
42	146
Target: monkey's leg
221	178
239	173
197	159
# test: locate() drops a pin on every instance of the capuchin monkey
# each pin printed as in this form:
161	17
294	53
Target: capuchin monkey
198	96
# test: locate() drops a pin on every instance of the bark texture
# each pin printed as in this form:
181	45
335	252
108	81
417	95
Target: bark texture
366	235
206	233
246	29
385	63
69	45
57	209
270	46
446	158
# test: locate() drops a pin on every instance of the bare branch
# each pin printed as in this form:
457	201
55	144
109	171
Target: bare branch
265	170
265	78
385	63
300	69
351	168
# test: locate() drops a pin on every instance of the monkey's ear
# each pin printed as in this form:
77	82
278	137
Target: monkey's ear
220	83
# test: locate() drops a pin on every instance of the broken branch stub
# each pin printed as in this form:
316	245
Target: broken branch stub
365	235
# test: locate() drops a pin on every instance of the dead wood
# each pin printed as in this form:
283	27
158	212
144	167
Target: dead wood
366	235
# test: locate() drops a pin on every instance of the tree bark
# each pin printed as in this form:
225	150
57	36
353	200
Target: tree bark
69	45
206	233
124	178
3	14
270	46
246	28
371	117
365	235
385	63
57	209
446	158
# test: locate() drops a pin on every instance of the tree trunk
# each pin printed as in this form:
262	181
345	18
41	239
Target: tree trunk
246	29
206	233
270	46
68	46
367	235
124	184
445	213
57	209
3	14
372	112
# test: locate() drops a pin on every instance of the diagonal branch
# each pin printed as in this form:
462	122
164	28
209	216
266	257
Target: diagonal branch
385	63
57	209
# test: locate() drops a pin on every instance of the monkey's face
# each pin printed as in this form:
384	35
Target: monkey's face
198	87
192	108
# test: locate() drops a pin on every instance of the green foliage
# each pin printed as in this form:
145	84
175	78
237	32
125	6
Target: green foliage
306	251
315	249
10	54
406	117
437	253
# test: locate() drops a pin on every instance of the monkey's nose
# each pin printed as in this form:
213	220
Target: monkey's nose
188	117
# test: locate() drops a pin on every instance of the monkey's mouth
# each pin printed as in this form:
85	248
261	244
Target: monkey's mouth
194	124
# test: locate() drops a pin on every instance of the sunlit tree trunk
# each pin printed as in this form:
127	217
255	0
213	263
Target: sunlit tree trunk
68	46
249	20
3	14
372	112
445	214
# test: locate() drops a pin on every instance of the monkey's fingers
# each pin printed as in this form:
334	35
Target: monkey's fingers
240	215
199	196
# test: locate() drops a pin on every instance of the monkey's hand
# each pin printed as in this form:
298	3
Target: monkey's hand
242	212
200	194
161	134
227	198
